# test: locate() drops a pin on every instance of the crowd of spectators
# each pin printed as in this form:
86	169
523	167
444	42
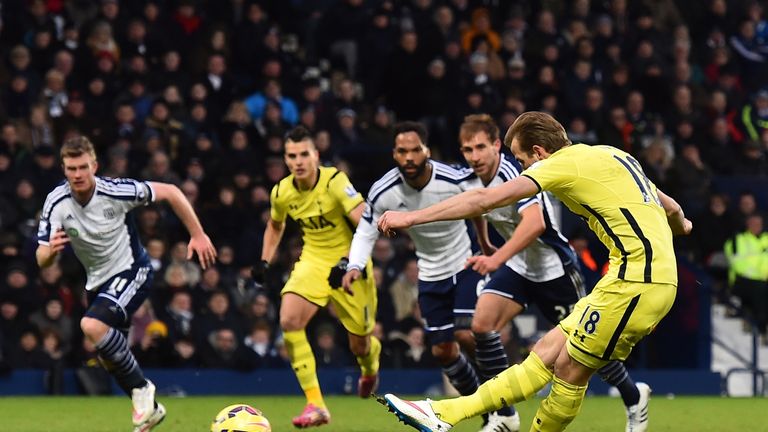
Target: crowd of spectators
200	93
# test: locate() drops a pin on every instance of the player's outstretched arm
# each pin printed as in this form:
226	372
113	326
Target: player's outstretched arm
530	228
675	216
361	247
199	243
462	206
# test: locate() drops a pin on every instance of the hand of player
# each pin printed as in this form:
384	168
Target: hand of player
58	241
201	245
392	220
259	271
483	264
351	276
337	273
683	228
687	226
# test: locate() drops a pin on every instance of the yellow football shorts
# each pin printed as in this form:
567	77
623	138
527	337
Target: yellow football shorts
357	313
606	324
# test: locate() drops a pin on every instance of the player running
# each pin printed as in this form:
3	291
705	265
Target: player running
93	214
535	265
447	291
327	207
634	219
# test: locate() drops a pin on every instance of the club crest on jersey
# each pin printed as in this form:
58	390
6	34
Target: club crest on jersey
72	232
350	191
109	213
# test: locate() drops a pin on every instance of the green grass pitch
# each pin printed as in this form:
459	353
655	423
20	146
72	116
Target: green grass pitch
106	414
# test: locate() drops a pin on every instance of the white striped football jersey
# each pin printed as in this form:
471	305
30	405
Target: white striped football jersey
545	258
442	248
102	232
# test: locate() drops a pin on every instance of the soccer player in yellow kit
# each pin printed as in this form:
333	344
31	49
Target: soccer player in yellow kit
634	220
327	208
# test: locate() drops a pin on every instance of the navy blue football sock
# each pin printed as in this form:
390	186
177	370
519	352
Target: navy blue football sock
615	374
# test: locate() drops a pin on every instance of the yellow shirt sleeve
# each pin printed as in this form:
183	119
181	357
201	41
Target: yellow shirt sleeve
342	190
277	212
555	174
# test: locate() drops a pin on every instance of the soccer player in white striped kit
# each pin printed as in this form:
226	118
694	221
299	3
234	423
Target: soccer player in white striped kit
447	291
93	214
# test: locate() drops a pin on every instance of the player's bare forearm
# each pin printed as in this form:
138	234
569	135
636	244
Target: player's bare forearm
477	202
356	213
530	228
462	206
481	227
199	243
675	215
272	236
181	207
45	256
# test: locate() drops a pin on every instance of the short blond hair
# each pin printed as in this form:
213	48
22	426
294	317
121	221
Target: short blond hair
77	146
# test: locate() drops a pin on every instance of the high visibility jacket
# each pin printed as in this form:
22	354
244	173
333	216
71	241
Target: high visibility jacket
747	256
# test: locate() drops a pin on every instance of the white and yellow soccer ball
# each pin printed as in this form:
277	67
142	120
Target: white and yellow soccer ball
240	418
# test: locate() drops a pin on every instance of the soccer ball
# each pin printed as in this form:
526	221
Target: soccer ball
240	418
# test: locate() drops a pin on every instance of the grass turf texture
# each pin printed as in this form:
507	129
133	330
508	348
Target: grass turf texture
106	414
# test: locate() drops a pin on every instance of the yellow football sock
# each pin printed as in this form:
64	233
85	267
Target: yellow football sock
369	364
517	383
559	408
303	364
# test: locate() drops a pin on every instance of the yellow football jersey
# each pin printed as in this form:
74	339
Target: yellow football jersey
321	212
607	187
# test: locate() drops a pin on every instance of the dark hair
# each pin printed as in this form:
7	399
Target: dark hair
537	128
298	134
411	126
476	123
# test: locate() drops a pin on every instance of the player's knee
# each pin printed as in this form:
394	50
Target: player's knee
291	323
482	325
466	340
359	346
571	371
93	328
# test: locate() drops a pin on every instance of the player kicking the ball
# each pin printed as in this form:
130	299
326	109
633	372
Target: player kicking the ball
634	220
93	214
535	265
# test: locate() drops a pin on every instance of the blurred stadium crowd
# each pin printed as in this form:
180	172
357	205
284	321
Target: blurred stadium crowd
199	93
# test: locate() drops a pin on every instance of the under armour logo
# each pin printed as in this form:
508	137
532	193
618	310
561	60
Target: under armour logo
69	216
402	205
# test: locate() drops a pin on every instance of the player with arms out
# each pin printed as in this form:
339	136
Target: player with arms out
447	291
634	220
535	265
93	214
327	208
